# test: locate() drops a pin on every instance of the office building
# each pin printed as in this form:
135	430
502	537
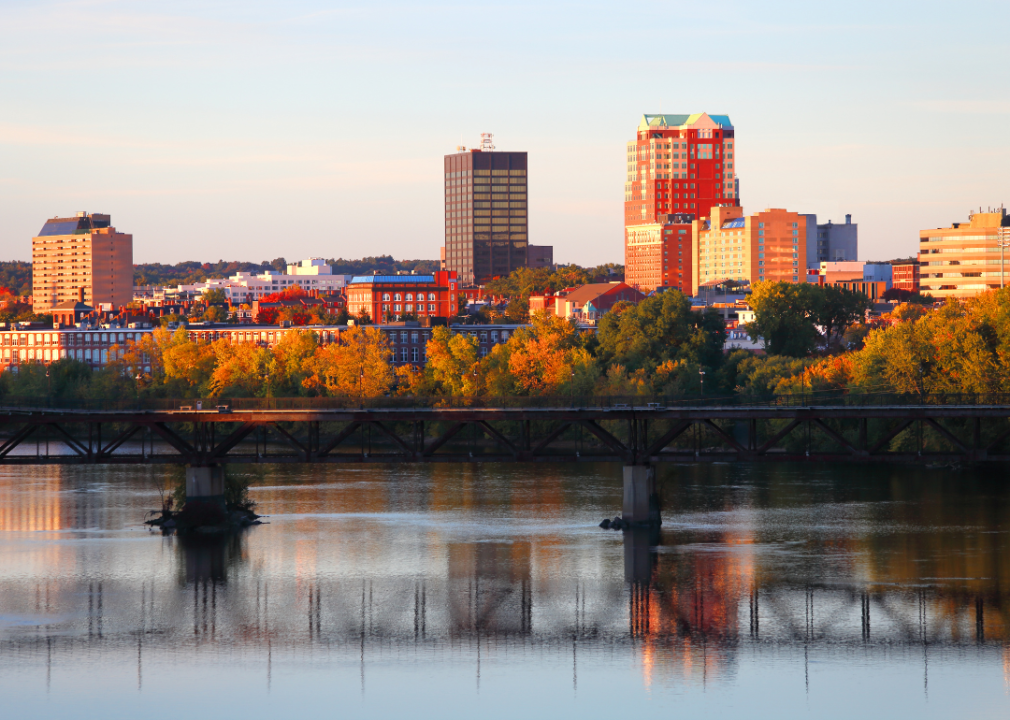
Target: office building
540	256
769	245
828	242
486	220
679	168
965	259
83	252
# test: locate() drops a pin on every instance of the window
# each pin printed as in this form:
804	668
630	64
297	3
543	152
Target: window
385	296
410	297
431	308
413	354
403	336
397	297
396	308
413	337
403	354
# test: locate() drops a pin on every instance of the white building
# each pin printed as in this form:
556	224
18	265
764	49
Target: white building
310	274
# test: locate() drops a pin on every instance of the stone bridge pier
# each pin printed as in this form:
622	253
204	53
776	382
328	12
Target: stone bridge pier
205	483
641	505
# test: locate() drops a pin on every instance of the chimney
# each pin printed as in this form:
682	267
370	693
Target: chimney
80	295
848	219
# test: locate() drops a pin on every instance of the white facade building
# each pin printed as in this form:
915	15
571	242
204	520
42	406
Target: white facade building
310	274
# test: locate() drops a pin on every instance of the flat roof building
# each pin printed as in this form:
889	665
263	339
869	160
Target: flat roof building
392	297
83	252
965	259
769	245
486	213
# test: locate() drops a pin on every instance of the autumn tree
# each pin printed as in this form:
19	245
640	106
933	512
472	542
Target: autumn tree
547	358
358	364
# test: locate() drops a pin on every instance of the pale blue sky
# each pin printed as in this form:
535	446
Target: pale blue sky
249	130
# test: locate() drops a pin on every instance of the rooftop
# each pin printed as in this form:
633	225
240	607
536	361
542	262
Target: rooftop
399	279
703	120
81	223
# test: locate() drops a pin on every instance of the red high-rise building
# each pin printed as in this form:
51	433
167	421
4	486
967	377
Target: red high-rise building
679	168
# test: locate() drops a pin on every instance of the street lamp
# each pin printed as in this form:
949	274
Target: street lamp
49	386
701	374
361	387
1004	242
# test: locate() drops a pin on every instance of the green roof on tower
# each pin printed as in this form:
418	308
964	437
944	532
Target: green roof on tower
703	119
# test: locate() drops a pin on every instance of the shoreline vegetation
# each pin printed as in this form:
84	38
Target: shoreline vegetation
814	337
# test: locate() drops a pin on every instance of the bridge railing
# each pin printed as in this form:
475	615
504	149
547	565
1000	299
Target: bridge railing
613	402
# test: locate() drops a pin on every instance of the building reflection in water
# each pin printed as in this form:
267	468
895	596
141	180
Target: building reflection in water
363	560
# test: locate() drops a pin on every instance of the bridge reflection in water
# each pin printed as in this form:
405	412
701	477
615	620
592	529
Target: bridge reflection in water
837	570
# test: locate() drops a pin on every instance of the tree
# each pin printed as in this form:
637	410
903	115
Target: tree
215	296
834	309
545	359
358	364
660	328
782	318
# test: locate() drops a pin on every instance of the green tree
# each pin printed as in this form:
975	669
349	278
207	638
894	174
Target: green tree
660	328
834	309
783	318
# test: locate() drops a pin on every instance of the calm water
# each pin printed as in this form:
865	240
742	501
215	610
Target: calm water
488	591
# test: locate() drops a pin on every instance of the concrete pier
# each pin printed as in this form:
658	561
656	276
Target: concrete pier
641	502
205	482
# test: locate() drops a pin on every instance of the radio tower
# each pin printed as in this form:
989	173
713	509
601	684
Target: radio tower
486	142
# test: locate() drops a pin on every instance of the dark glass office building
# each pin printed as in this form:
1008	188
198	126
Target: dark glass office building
486	223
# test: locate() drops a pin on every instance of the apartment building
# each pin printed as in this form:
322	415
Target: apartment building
965	259
83	252
21	345
770	245
678	168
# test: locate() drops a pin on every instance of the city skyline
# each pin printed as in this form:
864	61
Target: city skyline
252	124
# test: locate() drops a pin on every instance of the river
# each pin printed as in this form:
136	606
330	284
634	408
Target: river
488	591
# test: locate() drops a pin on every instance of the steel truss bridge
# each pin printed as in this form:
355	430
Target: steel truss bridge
630	435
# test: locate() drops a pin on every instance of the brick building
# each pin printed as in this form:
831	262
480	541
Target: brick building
679	168
770	245
84	252
905	274
393	296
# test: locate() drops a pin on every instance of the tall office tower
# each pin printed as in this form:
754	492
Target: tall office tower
486	225
81	252
679	168
970	257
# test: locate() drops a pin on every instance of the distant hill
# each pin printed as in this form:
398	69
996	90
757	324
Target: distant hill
16	276
187	273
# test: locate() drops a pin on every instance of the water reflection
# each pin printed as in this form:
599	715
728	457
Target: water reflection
494	566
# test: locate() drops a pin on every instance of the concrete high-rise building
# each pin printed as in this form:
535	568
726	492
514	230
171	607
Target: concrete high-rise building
828	242
965	259
679	168
769	245
486	220
81	252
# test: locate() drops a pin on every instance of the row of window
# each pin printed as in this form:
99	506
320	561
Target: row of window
85	338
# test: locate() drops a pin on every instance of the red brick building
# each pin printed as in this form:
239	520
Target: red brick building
905	274
394	296
679	168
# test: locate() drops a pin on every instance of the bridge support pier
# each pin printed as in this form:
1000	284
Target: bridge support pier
641	501
205	483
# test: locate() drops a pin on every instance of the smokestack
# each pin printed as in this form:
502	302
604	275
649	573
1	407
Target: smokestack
80	295
848	219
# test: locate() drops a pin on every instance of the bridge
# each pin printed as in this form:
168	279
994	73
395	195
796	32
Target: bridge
638	436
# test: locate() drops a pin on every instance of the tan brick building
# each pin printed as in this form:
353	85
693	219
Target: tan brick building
769	245
83	251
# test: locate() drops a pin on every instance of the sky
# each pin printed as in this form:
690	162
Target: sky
251	130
